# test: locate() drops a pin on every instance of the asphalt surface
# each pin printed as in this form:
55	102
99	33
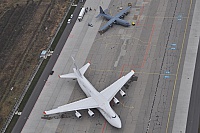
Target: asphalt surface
194	108
41	82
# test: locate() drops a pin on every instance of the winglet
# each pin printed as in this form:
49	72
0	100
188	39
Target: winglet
44	112
59	76
133	71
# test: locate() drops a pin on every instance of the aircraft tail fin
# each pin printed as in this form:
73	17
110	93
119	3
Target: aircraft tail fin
80	71
101	12
76	69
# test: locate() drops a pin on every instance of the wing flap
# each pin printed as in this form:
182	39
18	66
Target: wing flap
86	103
112	90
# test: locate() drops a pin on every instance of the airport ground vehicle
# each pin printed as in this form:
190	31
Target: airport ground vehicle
69	21
81	14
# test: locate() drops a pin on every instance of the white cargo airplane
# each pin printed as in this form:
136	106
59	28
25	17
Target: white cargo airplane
100	100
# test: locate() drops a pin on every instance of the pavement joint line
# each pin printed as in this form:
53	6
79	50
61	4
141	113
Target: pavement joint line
176	76
141	11
106	44
163	17
101	70
148	47
113	35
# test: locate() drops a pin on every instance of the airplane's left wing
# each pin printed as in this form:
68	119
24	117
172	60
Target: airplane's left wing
112	90
86	103
123	11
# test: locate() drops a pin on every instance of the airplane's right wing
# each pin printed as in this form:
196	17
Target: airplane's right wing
109	23
112	90
86	103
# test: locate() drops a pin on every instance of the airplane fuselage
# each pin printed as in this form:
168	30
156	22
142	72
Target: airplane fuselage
105	109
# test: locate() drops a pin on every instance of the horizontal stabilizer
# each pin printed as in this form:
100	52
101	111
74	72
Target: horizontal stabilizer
70	75
84	68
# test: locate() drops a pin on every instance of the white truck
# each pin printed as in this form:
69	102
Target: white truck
81	14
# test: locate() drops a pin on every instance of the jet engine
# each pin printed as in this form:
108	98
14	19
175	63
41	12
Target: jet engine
78	115
122	93
91	113
116	101
110	25
122	16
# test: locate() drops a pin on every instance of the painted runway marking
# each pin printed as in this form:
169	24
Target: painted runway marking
166	77
173	48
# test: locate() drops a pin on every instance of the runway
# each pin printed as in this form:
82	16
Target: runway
155	49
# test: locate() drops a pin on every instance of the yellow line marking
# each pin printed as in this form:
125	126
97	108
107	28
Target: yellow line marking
107	70
121	36
106	44
162	17
176	77
125	106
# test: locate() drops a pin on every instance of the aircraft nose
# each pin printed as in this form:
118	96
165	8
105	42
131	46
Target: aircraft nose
118	123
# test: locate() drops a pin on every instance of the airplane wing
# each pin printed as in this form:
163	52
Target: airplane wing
122	12
86	103
112	90
110	22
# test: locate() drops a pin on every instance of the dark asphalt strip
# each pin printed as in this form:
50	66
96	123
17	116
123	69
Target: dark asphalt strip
194	106
41	82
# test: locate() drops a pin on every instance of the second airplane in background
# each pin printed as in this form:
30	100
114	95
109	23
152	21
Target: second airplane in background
117	19
100	100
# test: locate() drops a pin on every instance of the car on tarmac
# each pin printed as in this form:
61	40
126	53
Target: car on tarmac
69	21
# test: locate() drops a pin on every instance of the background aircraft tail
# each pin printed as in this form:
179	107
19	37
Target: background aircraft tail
101	12
78	71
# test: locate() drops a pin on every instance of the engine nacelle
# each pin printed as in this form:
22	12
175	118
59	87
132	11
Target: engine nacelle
122	16
116	101
78	115
122	93
91	113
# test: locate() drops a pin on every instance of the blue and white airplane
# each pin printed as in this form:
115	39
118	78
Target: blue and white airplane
114	20
99	100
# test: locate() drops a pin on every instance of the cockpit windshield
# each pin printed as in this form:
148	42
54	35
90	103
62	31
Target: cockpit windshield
114	116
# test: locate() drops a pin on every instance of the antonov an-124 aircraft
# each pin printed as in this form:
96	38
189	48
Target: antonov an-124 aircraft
99	100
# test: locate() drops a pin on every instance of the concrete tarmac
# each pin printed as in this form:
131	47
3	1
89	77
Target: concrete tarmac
155	48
